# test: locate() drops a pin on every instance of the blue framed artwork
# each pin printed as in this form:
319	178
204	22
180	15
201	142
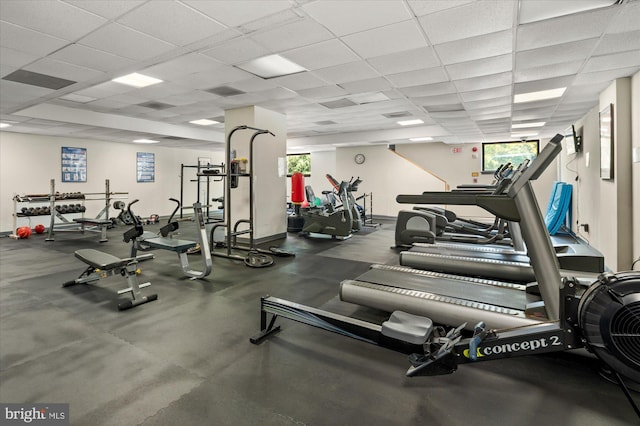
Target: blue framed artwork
74	164
146	166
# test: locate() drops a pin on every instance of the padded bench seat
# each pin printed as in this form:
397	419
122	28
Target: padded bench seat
179	246
100	260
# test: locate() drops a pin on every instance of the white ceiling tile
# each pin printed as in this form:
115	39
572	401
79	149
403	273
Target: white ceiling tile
485	46
429	89
469	20
254	84
418	77
323	92
422	7
172	22
565	29
559	53
302	80
368	85
28	41
188	98
615	61
17	93
409	60
428	101
347	17
585	79
104	105
484	82
55	18
91	58
158	91
104	90
488	103
123	41
6	69
627	18
393	38
239	12
321	55
236	51
548	71
479	95
619	42
109	9
177	67
278	93
63	70
480	67
212	78
297	34
343	73
15	58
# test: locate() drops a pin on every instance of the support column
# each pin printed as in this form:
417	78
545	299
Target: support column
269	174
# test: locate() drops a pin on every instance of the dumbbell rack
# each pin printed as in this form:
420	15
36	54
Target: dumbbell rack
57	206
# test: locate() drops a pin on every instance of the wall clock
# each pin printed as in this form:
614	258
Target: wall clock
359	158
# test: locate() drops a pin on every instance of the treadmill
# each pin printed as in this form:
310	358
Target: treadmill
454	299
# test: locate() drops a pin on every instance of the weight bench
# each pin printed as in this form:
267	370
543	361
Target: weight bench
101	224
181	247
102	265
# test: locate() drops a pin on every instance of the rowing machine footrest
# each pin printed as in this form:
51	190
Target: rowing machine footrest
407	327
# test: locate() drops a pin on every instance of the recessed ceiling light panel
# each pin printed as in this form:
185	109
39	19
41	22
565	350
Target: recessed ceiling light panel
410	122
4	125
528	125
144	141
539	96
203	122
137	80
421	139
271	66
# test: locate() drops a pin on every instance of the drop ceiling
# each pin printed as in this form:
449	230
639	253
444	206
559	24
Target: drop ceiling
455	65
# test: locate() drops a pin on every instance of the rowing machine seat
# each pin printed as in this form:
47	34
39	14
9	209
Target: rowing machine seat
407	327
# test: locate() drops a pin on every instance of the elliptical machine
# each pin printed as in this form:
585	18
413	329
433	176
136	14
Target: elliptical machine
337	223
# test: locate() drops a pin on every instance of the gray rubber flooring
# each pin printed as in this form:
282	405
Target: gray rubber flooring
186	359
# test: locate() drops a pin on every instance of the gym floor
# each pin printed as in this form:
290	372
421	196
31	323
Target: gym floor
186	358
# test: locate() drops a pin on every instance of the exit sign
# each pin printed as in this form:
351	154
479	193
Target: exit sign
456	150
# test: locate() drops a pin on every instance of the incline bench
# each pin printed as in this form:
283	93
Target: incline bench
102	265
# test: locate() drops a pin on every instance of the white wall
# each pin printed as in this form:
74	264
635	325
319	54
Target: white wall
386	175
29	162
611	208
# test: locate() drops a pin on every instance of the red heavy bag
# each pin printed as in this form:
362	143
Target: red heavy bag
297	188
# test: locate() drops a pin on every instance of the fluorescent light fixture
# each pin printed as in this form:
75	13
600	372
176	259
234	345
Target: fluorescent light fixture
271	66
410	122
204	122
4	125
539	96
527	125
523	135
144	141
422	139
137	80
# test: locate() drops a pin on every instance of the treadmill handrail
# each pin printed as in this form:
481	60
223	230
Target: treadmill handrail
500	205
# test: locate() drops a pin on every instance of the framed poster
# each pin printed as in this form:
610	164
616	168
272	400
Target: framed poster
606	143
74	164
146	166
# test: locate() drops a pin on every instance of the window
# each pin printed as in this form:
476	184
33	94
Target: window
496	153
299	163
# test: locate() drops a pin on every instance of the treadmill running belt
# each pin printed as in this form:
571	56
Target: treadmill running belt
508	298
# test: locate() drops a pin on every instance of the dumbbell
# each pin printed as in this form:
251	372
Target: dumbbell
82	208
